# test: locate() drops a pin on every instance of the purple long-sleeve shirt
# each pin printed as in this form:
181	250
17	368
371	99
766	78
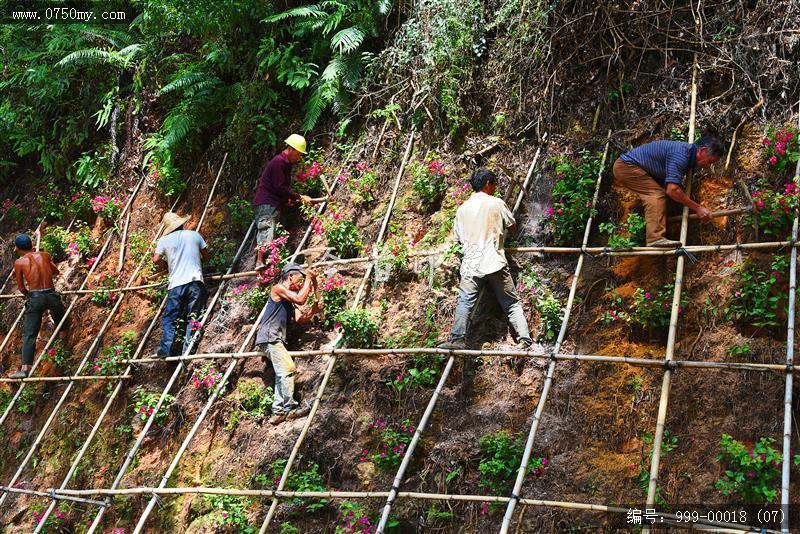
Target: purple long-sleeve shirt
275	183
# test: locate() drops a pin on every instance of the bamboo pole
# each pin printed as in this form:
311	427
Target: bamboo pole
95	344
213	189
203	321
562	333
716	214
423	423
787	395
465	498
123	241
52	495
80	378
332	361
69	309
666	383
137	444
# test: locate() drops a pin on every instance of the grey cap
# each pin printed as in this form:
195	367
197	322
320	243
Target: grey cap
292	267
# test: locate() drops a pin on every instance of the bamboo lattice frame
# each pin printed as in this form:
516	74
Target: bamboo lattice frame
668	364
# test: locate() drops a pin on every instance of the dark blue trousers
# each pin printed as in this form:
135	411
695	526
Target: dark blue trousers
183	302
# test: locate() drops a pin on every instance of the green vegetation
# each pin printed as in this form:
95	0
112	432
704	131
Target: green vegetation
628	234
501	457
572	196
359	328
752	472
756	298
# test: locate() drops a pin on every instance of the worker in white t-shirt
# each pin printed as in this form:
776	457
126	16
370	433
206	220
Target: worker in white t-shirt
480	227
182	252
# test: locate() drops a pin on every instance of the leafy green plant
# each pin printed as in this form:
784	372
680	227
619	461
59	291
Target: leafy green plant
308	479
223	249
393	255
391	444
250	399
628	234
572	195
162	171
501	456
739	350
753	473
12	211
144	404
58	354
26	400
429	180
309	180
342	234
755	300
231	513
669	442
107	207
241	212
616	311
359	328
334	296
104	296
51	205
550	316
360	179
651	310
206	377
55	240
353	519
422	372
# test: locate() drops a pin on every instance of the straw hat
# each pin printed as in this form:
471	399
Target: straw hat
172	221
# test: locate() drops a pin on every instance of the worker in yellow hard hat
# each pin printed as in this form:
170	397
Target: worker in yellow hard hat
275	192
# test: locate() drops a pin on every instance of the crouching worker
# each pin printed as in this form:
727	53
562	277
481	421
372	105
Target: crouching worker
480	227
292	290
655	171
182	252
34	272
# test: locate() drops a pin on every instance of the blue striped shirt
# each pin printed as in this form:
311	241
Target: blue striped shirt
666	161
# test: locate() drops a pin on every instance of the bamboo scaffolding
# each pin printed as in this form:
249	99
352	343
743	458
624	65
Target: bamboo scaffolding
562	333
655	457
466	498
787	396
137	444
123	241
332	361
716	214
94	346
423	423
84	378
139	350
53	495
69	309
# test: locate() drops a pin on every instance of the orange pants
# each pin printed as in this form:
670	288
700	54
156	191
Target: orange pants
653	196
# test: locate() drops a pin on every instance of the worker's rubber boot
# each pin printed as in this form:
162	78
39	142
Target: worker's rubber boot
19	374
453	344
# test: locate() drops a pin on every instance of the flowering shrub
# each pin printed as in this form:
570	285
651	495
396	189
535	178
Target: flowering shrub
56	521
103	296
254	399
550	315
231	513
334	298
309	180
392	444
241	212
223	249
781	150
653	309
58	353
460	193
51	205
355	519
422	373
752	473
775	208
616	311
144	404
360	179
572	196
275	255
109	362
340	232
107	207
628	234
166	178
359	328
12	211
82	243
254	296
80	205
429	180
501	456
756	299
206	377
393	255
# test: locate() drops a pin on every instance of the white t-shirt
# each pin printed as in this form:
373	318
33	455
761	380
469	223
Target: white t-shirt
182	249
480	224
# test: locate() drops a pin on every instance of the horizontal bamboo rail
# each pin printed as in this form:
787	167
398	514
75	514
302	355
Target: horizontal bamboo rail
467	498
52	495
716	214
70	378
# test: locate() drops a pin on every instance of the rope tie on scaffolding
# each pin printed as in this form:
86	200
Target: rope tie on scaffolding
689	256
669	366
791	243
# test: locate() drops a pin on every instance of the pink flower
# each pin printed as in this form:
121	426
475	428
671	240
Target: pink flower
766	141
484	508
544	461
773	160
560	211
647	294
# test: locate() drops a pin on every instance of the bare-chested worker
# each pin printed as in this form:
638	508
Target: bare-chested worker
35	272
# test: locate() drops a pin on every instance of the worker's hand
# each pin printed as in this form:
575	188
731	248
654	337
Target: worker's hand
312	273
704	213
305	199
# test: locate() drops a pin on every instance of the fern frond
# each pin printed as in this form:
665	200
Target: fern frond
334	19
176	127
301	12
314	108
334	70
88	56
384	6
186	79
347	40
130	50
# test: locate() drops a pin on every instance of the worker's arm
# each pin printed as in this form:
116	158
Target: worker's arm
304	316
20	279
675	192
159	261
205	255
53	266
299	297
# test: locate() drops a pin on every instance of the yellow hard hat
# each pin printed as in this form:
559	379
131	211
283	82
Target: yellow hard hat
297	142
